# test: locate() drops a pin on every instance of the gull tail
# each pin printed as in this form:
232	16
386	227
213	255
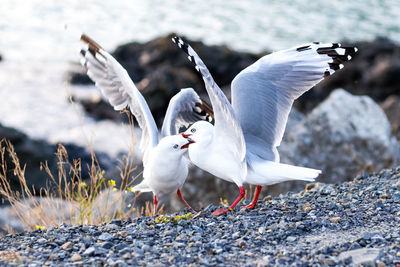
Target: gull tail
269	172
142	187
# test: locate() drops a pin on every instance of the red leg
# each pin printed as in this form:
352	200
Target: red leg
254	203
223	211
178	192
155	202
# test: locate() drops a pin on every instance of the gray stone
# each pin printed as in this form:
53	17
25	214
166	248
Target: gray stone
89	251
360	256
105	237
342	136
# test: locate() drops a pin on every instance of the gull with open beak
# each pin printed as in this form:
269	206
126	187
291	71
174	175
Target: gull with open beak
241	147
164	160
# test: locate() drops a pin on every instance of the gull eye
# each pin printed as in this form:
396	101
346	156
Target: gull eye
175	146
193	130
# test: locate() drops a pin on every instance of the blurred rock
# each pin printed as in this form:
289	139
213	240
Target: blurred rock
31	153
160	69
391	106
79	78
31	212
10	222
99	109
343	136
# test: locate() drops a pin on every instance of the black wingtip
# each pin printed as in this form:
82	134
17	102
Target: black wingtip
185	47
181	44
206	110
303	48
335	66
339	55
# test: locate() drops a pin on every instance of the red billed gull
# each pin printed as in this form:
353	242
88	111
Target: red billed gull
241	147
164	160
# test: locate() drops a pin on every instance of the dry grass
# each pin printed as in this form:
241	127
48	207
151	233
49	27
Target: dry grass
68	199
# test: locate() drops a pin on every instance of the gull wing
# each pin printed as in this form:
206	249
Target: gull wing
226	128
185	108
118	88
263	93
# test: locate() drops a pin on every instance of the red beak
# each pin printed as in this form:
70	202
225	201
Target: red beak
187	145
185	135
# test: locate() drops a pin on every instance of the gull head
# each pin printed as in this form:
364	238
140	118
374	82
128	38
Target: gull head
198	130
176	144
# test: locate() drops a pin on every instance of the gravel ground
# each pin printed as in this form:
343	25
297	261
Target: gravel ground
330	225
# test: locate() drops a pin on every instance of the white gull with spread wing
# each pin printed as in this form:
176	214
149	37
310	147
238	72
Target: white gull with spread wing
164	160
242	145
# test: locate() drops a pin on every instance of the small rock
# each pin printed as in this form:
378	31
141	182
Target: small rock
309	187
111	226
76	257
306	207
66	245
236	235
123	233
107	245
361	256
105	237
334	219
89	251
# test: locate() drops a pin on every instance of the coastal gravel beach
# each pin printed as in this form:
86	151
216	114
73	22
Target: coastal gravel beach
347	224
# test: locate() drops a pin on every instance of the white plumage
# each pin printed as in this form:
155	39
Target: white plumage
165	166
242	147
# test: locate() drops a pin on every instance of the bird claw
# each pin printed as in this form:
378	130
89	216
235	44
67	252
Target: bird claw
219	212
250	206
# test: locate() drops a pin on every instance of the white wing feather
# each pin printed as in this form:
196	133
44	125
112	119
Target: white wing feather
118	88
263	93
183	109
226	127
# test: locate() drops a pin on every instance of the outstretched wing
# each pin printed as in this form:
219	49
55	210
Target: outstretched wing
226	127
185	108
118	88
263	93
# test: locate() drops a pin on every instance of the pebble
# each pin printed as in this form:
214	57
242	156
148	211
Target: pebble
334	219
291	238
76	257
66	245
105	237
316	227
89	251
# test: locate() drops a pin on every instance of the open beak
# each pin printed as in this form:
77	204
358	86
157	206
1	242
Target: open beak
187	145
185	135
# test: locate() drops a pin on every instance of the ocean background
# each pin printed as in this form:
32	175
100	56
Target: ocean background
39	43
